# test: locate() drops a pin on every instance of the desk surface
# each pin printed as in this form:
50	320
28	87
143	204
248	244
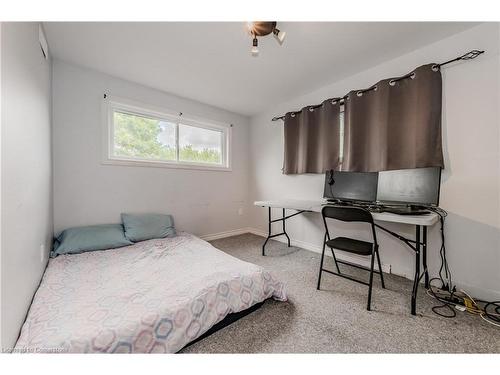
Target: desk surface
317	205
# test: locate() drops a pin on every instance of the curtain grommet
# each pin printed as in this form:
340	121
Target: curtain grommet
413	75
435	68
311	109
392	82
375	88
359	93
292	115
333	102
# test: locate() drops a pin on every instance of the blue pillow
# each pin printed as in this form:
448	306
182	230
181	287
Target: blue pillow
141	227
96	237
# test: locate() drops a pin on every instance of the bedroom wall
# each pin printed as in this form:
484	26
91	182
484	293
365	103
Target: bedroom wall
88	192
26	167
1	207
470	183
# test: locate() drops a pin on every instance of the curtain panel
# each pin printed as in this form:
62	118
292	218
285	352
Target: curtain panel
312	139
396	124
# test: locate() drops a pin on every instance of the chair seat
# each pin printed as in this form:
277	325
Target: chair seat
351	245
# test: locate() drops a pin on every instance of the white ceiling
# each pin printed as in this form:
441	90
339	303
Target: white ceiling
210	61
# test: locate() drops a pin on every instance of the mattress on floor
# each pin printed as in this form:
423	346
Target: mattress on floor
153	296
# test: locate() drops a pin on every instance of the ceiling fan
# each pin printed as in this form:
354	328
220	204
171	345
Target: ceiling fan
262	28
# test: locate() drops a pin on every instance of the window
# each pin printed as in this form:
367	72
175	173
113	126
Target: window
136	135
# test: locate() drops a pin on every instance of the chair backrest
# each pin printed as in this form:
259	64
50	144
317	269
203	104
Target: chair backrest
347	213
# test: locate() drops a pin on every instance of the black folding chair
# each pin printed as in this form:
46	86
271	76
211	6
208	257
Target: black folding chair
351	245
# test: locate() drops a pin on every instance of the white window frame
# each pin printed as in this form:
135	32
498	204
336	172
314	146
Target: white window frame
112	104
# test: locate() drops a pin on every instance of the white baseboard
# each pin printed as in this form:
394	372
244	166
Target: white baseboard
229	233
475	291
487	294
362	261
352	258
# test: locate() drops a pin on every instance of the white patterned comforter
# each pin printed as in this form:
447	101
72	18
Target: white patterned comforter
153	296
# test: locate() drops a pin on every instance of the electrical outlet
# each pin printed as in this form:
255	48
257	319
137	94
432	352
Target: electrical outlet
42	252
240	211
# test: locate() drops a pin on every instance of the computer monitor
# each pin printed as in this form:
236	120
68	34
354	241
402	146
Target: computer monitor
351	186
419	186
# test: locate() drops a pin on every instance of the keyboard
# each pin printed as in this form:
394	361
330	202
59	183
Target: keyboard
398	210
404	210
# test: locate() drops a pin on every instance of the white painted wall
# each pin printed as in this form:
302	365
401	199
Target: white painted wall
1	183
88	192
470	184
207	202
26	172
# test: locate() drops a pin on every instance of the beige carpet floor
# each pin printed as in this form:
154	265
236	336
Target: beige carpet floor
335	319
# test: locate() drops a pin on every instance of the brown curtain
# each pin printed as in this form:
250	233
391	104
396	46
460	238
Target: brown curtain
396	125
312	139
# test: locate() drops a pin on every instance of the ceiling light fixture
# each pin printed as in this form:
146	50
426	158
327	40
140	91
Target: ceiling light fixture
255	49
261	28
279	35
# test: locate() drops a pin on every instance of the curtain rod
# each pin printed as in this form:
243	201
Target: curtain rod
467	56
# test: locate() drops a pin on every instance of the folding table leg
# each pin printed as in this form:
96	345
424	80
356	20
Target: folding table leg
417	272
268	232
284	231
424	256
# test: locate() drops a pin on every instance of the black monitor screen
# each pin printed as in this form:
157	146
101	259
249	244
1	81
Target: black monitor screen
351	186
410	186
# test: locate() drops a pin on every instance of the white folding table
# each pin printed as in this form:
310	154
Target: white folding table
418	245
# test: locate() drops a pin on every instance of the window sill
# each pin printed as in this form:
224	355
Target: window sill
164	164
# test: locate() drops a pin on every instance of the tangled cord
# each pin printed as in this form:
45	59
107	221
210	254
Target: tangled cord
450	299
446	300
446	281
490	316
